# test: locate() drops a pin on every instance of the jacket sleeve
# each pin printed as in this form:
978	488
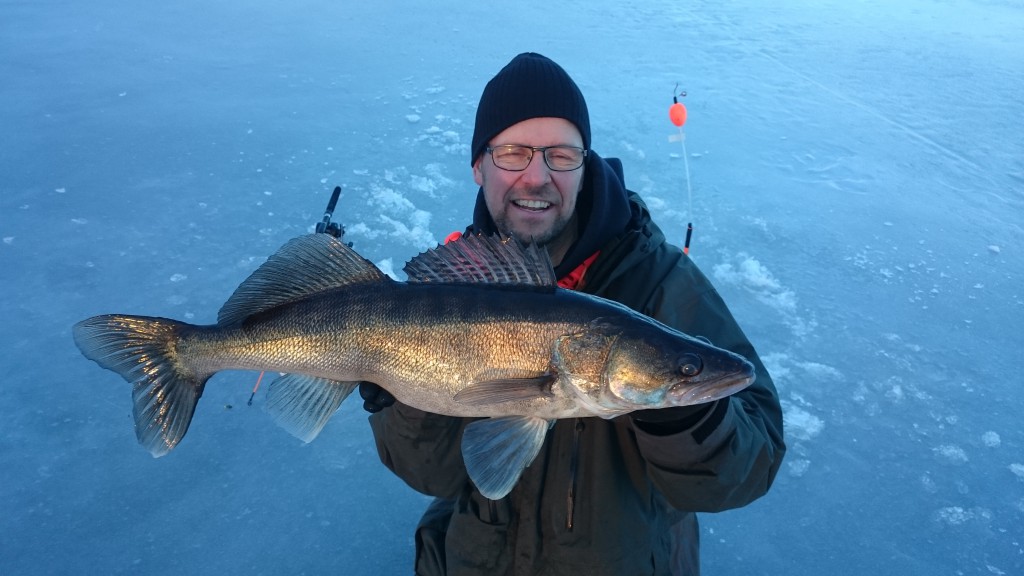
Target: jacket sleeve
421	448
731	456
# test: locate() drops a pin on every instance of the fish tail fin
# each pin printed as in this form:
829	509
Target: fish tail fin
143	351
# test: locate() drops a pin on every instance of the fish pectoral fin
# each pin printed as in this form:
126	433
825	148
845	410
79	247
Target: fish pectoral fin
501	390
497	450
302	404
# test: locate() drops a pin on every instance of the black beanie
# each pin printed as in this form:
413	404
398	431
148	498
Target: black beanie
530	86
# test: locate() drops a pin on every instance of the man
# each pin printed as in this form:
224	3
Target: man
603	496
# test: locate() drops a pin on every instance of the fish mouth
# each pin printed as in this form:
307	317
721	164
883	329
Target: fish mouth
686	394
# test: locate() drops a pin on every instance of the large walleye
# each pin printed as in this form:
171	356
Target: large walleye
479	330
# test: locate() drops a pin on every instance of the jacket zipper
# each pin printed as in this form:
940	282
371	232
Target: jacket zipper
572	281
492	506
574	459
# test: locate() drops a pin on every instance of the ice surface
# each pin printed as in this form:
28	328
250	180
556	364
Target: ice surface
858	194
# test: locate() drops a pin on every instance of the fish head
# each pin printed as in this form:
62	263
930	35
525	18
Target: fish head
636	364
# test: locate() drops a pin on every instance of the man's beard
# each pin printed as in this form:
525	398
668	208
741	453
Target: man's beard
541	240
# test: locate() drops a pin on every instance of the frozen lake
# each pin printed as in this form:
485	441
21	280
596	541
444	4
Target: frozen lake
858	194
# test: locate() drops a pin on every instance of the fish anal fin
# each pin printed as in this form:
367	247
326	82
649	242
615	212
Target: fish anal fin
302	404
497	450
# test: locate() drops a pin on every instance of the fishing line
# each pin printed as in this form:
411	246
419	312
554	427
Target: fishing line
677	114
256	387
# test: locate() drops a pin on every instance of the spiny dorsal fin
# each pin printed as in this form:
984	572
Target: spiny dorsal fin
305	265
485	260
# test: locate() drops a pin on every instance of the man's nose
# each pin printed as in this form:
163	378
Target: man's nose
537	173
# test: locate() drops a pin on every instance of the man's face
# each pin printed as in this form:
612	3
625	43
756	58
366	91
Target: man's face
536	204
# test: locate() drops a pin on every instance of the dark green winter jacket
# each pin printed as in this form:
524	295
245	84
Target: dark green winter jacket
603	496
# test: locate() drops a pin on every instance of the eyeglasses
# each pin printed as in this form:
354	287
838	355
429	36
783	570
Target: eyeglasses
516	157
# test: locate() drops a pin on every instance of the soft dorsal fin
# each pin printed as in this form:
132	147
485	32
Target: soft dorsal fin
305	265
483	259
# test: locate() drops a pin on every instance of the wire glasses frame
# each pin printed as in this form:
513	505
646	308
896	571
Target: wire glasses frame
517	157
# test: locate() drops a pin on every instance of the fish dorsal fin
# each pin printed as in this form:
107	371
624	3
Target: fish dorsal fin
305	265
479	259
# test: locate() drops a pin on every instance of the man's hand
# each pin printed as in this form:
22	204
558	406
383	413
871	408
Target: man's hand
374	397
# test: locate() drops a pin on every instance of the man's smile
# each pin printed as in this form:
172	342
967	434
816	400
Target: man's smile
532	205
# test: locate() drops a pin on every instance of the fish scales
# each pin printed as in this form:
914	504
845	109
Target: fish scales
381	335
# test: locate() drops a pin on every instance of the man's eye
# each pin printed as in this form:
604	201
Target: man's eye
512	153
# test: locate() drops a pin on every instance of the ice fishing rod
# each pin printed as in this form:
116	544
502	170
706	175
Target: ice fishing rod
325	226
677	114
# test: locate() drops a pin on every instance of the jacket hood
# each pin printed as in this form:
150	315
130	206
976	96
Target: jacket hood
632	247
603	208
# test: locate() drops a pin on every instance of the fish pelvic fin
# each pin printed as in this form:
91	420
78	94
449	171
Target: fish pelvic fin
142	350
302	404
304	266
480	259
497	450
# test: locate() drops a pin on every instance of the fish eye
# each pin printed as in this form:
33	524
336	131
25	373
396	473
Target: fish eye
690	365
